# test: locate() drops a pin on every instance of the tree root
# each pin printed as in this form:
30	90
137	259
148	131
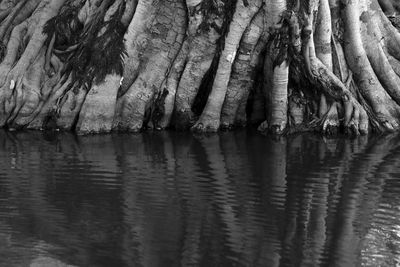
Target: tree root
242	18
136	107
243	74
330	122
331	85
171	84
174	52
207	123
46	114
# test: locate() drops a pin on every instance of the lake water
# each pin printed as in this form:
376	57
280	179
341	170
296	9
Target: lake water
174	199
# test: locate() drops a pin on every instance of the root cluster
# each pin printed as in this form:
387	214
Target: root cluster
283	66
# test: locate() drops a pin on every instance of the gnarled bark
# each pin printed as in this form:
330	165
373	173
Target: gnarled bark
210	117
96	66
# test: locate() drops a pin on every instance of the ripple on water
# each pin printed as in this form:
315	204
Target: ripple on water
173	199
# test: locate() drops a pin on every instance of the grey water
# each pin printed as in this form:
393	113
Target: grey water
175	199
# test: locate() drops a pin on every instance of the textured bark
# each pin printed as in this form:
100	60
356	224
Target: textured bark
323	36
97	113
210	117
384	107
203	33
95	66
171	84
13	87
243	74
276	69
163	38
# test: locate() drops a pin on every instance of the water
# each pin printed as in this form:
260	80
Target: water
173	199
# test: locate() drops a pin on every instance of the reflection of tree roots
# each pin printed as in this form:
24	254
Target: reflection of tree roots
303	189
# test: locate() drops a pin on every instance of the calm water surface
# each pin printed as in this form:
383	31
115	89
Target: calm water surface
173	199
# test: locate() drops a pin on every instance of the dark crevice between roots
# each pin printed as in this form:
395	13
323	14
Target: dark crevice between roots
207	82
155	112
50	121
183	121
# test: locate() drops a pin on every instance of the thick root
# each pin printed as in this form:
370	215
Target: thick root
98	110
200	58
131	109
28	96
243	73
64	65
12	80
330	122
386	110
279	99
324	78
45	116
162	48
208	123
69	108
137	39
241	20
51	84
276	67
171	85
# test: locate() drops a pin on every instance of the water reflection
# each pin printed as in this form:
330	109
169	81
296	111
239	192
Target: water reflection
173	199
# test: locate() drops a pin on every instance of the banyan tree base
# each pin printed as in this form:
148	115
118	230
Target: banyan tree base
283	65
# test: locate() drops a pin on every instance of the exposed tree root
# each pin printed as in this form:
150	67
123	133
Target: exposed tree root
330	121
165	38
171	84
276	67
96	66
46	115
210	117
203	33
14	76
243	74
